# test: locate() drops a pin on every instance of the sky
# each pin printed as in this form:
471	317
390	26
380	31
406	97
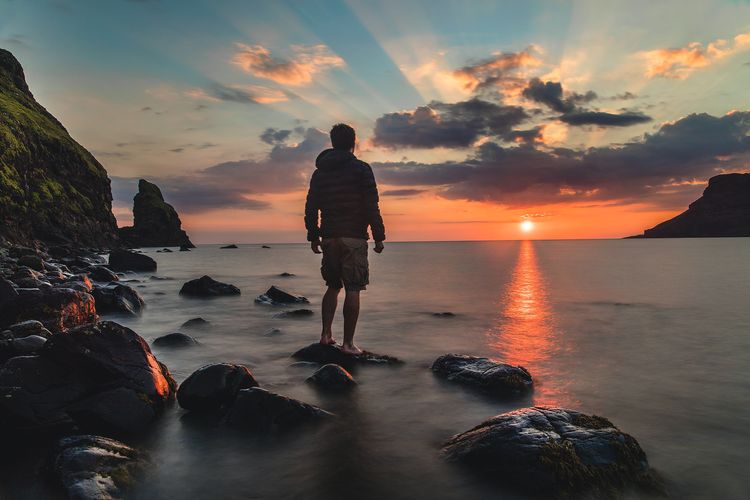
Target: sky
480	119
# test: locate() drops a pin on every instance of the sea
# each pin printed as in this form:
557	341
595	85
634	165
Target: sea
652	334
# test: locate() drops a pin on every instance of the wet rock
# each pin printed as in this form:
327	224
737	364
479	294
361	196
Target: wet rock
103	377
260	410
20	347
32	261
32	283
23	273
296	313
553	452
196	323
276	295
80	282
208	287
95	468
118	298
227	247
176	339
29	327
160	278
125	260
332	377
57	308
103	274
215	386
489	376
332	354
8	293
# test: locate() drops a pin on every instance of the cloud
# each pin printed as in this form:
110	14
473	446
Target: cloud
403	192
681	62
661	168
551	94
237	184
306	61
439	124
244	94
275	136
501	70
604	119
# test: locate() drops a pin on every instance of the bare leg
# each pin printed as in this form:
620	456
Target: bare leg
330	301
351	313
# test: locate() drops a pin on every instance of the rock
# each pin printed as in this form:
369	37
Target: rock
196	323
332	354
723	210
553	452
214	387
184	248
125	260
208	287
23	273
101	273
80	282
95	468
444	315
160	278
8	293
272	332
296	313
265	246
226	247
32	261
20	347
492	377
101	377
57	308
276	295
332	377
175	340
52	189
29	327
286	275
155	222
118	298
260	410
164	250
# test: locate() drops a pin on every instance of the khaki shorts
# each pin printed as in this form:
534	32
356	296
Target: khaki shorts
345	263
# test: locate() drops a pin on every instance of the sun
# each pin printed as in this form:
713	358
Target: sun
527	226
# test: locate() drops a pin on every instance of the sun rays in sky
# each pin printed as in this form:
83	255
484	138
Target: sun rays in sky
600	120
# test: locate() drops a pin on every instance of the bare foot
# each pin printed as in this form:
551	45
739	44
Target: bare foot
327	340
351	349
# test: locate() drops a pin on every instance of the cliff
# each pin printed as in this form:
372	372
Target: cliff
723	210
155	222
51	188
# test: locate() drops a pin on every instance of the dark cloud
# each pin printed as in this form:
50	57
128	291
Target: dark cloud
603	119
525	136
275	136
402	192
660	167
236	184
439	124
500	70
551	94
625	96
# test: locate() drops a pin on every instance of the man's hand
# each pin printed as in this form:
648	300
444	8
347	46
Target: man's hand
315	245
379	247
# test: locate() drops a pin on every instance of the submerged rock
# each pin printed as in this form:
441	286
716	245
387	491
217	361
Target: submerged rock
257	409
553	452
332	377
489	376
118	298
332	354
208	287
276	295
196	323
227	247
215	386
185	248
125	260
296	313
444	314
176	339
95	468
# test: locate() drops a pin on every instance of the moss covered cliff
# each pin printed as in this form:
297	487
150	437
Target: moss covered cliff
51	188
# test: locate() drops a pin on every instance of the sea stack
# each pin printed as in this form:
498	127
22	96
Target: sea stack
155	222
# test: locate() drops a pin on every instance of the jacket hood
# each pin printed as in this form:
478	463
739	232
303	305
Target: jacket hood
333	158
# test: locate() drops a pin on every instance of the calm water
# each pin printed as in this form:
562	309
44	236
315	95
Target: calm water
653	334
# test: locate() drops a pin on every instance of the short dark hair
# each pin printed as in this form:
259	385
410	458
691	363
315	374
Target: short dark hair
342	136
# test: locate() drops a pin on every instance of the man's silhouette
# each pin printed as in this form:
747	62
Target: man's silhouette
343	190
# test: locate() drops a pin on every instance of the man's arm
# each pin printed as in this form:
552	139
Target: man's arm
312	207
371	205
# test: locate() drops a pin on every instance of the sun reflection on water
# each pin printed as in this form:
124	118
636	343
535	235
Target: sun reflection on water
525	333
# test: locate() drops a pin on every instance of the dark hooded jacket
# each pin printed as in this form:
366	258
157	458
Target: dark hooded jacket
343	189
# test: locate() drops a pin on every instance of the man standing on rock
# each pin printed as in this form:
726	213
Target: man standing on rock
344	191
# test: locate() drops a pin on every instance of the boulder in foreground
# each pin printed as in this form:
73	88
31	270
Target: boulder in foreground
554	452
94	467
325	354
208	287
257	409
125	260
332	377
56	308
214	387
492	377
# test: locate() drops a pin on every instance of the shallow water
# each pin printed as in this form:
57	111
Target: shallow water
653	334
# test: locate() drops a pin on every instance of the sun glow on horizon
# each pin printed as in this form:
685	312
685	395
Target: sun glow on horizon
527	226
